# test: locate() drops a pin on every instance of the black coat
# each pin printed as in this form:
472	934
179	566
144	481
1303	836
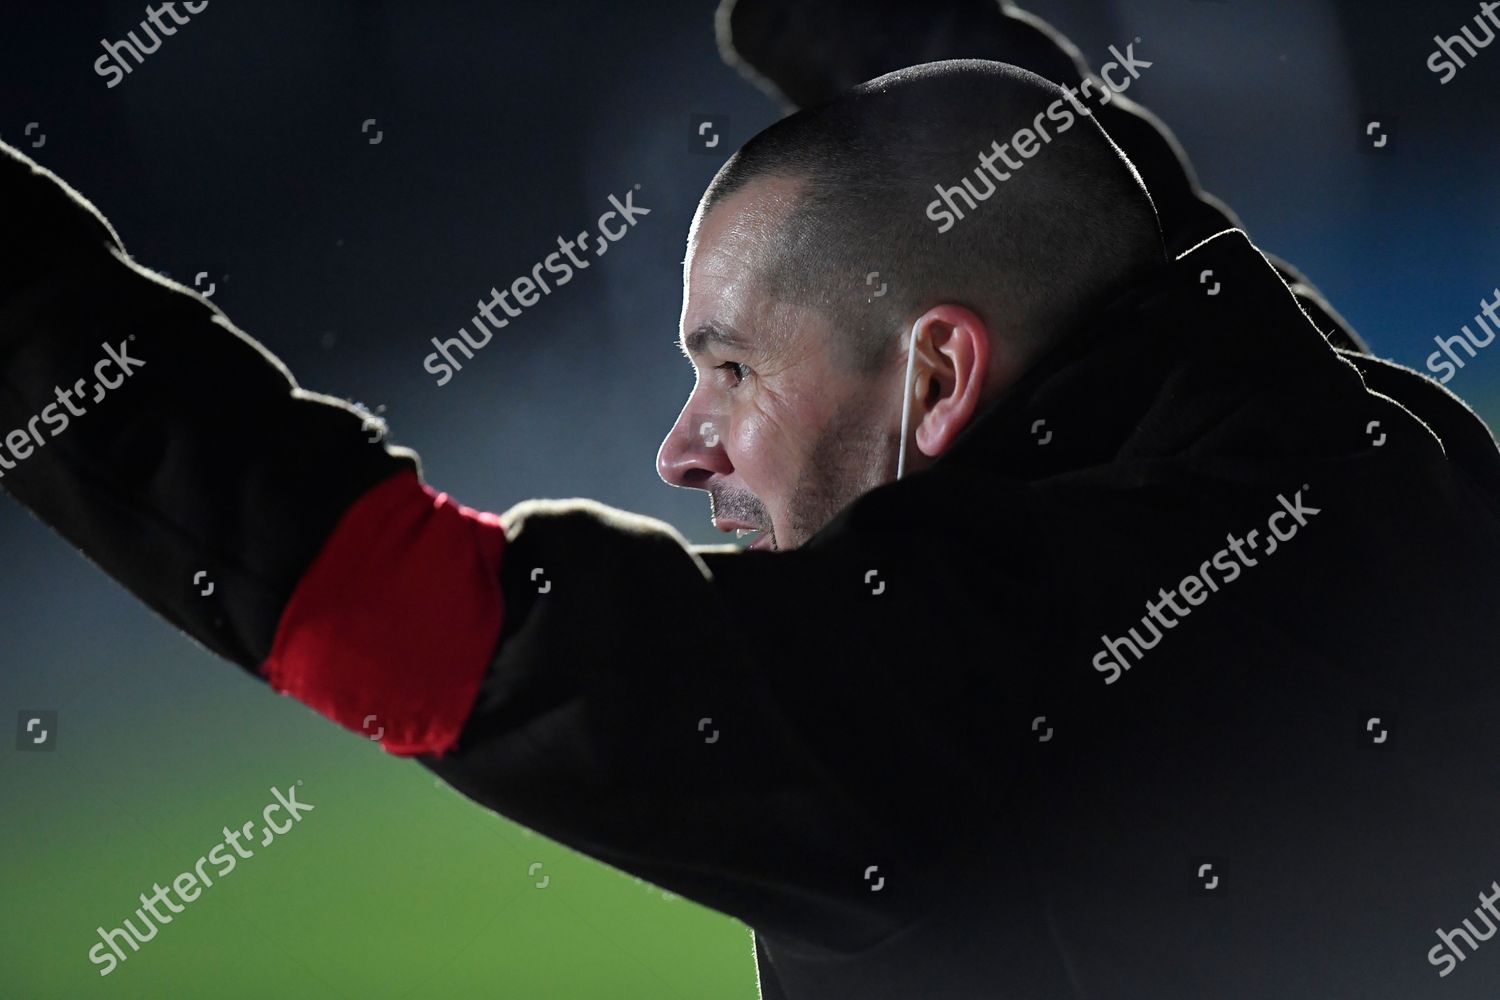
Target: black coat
917	755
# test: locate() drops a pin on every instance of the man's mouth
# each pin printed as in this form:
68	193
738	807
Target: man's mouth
762	538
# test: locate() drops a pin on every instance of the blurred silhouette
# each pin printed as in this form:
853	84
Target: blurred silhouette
804	52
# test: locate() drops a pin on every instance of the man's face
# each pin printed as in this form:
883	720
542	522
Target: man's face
778	430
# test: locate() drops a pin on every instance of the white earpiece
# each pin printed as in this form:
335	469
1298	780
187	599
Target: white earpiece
911	371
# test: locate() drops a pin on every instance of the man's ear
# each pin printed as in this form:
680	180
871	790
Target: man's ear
953	360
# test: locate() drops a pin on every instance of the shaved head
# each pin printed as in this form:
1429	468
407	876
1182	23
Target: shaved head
860	175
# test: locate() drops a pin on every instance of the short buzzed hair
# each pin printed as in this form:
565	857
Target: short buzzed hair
1070	228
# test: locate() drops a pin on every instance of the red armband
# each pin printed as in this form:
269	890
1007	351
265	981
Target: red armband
391	629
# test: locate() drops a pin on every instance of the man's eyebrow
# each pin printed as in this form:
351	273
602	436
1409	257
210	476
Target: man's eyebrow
697	340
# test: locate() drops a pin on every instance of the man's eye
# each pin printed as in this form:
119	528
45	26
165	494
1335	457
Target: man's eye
739	370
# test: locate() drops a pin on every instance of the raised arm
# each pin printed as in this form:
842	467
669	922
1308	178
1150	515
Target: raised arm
682	714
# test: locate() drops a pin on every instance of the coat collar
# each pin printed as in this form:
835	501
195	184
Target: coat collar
1211	355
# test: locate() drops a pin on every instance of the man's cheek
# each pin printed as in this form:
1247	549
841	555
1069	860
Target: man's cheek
760	454
746	445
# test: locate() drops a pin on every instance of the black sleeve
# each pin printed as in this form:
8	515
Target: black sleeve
206	458
755	731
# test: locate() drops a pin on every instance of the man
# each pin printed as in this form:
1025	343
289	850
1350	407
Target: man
1146	679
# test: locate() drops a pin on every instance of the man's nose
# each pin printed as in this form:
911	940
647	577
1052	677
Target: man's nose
693	452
